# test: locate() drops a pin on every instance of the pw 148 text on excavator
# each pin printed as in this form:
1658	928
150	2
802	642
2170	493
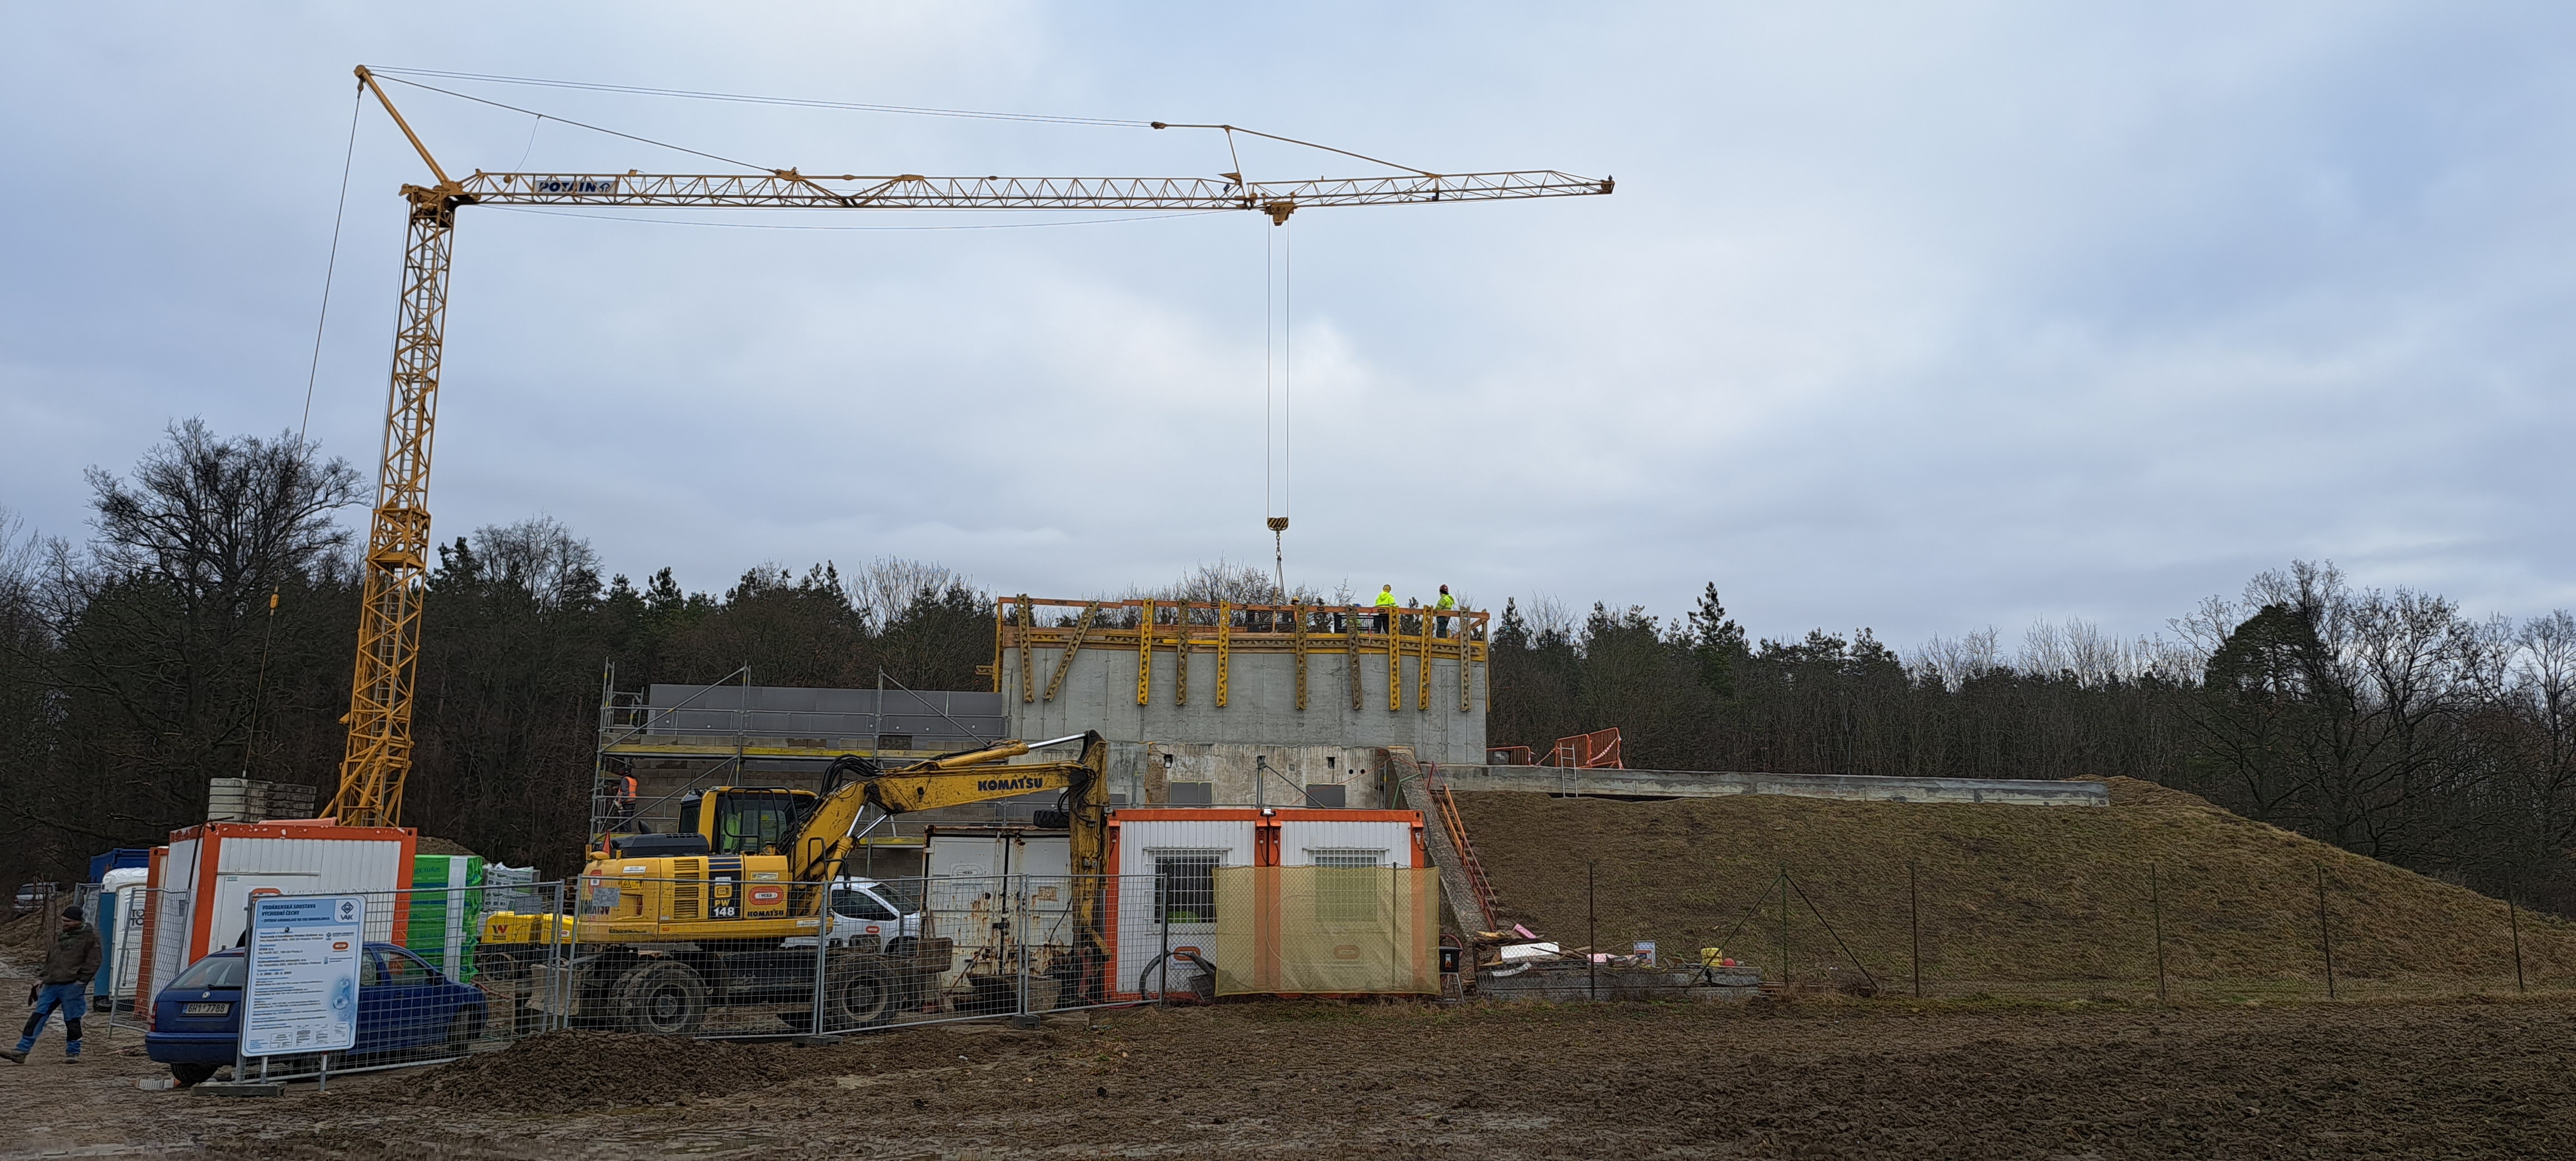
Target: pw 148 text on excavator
671	927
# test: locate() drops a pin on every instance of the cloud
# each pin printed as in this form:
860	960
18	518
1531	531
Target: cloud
1920	319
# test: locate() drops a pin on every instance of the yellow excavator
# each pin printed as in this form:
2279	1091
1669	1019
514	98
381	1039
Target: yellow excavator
671	927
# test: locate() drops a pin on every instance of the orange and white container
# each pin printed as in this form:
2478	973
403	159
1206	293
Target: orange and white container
203	882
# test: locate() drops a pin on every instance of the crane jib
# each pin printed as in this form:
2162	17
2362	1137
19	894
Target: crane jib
378	750
596	186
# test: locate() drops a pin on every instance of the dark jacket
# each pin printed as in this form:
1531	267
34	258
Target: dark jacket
73	959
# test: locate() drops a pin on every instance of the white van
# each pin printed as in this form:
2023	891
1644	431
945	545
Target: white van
867	915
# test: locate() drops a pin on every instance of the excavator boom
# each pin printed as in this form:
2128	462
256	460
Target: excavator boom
828	834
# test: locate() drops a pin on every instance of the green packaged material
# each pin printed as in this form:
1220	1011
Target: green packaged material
446	910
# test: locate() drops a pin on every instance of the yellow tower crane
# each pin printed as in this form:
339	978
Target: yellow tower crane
398	545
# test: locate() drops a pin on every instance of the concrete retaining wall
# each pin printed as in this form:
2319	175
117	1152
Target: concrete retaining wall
1855	787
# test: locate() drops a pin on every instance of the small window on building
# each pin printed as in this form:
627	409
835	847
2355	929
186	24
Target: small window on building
1328	763
1326	796
1346	856
1349	885
1185	885
1193	794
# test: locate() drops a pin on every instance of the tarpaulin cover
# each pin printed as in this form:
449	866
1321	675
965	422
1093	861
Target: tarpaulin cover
1327	930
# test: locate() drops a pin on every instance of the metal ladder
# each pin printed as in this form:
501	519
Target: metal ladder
1486	900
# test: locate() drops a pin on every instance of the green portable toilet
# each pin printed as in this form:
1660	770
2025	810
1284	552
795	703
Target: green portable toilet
446	908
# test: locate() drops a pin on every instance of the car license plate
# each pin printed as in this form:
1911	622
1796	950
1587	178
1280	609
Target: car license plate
205	1009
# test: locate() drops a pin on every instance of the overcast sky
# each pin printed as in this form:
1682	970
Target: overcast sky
1919	317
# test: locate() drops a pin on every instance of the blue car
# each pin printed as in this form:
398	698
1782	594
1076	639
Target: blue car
406	1010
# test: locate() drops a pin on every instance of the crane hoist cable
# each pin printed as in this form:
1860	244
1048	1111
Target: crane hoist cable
304	425
394	576
1278	242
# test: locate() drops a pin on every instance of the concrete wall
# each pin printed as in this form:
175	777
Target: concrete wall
1243	774
1857	787
1099	693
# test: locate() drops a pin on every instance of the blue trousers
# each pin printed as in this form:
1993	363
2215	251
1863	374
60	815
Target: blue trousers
73	999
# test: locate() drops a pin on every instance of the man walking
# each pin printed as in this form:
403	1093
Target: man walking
70	964
1444	604
1385	607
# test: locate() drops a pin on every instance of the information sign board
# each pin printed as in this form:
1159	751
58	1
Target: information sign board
302	993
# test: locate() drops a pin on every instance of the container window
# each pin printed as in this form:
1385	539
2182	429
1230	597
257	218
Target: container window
1347	888
1185	885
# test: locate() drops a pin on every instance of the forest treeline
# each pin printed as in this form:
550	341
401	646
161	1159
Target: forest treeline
202	629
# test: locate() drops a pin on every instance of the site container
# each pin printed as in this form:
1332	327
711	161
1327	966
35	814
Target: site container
1174	853
208	874
1177	851
1000	894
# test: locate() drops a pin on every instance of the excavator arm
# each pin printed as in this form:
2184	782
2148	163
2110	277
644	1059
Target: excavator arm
829	834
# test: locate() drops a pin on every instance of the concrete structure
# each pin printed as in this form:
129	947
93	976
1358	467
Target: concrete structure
1204	704
1852	787
1264	679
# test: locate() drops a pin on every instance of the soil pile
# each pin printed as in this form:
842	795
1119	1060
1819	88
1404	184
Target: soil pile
2008	895
580	1070
433	845
562	1071
26	938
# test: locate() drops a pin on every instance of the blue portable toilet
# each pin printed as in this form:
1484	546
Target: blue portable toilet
101	864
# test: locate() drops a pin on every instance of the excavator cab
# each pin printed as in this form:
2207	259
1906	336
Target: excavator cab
742	820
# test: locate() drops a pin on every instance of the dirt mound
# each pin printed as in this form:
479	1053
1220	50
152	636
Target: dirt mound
2008	895
26	938
600	1070
579	1070
431	845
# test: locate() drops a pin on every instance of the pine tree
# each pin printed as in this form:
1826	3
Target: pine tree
1716	641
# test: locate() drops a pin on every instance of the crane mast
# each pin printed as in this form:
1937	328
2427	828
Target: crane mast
396	566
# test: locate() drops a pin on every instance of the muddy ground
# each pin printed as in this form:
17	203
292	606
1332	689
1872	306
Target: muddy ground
1843	1078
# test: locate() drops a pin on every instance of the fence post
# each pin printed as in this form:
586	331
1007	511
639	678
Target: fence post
241	1011
823	924
1026	1016
1591	937
1914	926
2156	907
1784	929
560	956
2514	921
1162	921
2325	933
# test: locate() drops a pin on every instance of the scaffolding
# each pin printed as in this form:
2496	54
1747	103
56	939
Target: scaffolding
716	734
